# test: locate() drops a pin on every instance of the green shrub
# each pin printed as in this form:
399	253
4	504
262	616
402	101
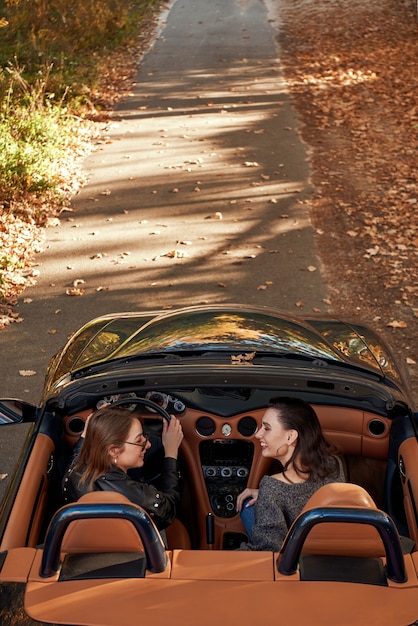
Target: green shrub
51	56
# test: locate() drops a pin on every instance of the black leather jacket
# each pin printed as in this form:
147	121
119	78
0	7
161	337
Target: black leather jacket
161	504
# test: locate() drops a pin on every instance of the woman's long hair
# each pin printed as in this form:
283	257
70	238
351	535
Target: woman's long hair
106	427
313	454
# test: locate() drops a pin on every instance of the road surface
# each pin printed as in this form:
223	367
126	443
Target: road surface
198	192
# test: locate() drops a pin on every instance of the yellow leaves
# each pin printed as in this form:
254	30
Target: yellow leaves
397	324
176	254
267	283
76	290
8	317
242	359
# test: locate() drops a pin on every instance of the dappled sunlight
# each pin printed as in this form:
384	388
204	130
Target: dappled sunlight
340	77
198	189
210	156
211	159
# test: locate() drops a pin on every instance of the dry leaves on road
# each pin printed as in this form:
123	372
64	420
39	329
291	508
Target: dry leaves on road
353	72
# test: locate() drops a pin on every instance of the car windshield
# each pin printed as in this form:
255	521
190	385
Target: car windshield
245	332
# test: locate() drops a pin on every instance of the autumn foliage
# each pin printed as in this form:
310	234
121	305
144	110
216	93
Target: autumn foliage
79	25
57	58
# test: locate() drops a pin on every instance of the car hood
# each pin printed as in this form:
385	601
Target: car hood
235	328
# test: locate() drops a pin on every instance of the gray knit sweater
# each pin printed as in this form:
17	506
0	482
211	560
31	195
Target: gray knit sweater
277	506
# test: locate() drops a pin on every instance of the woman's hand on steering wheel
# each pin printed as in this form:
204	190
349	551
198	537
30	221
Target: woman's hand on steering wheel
172	436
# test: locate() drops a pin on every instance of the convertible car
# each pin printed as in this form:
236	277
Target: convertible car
351	556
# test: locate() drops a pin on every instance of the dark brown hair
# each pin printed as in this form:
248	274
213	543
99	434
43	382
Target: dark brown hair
313	454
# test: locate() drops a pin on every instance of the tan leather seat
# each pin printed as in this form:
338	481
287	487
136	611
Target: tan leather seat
101	535
340	538
177	536
114	535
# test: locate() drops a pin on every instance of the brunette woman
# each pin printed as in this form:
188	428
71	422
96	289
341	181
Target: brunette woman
113	442
291	433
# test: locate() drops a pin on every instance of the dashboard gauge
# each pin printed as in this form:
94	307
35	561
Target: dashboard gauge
120	396
159	398
178	405
226	430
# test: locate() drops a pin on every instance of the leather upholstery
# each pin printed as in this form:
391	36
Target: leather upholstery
343	539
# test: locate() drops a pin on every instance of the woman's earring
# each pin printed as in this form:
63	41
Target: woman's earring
115	460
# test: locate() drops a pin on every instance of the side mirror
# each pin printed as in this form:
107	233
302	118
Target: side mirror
16	411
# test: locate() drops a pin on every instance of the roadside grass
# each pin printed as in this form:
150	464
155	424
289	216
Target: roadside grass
57	61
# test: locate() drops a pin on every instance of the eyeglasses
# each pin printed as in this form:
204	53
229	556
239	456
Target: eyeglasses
142	444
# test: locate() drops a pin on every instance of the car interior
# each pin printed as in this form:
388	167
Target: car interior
219	457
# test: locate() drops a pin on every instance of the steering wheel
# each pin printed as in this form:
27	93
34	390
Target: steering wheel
154	456
145	402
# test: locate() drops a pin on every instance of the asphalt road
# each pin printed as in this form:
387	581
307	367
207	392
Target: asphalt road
197	193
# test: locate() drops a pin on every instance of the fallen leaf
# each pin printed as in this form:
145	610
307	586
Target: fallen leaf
397	324
176	254
75	291
311	268
3	476
410	361
214	216
242	359
27	372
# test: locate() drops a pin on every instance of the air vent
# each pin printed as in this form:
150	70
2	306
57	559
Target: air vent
247	426
75	425
376	427
205	426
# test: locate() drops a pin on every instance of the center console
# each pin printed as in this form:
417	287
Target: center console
226	464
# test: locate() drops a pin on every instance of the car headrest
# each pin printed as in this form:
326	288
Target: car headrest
343	538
